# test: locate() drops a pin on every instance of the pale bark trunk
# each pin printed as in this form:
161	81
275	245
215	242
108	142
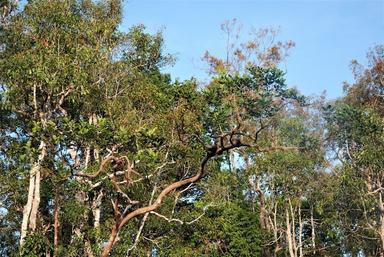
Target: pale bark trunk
31	207
36	201
28	205
313	232
293	230
96	210
263	210
300	234
87	157
289	233
96	154
275	230
381	231
232	164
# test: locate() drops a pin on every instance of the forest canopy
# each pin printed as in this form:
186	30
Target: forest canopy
102	153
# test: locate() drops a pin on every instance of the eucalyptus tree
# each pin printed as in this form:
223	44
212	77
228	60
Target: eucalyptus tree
356	135
55	60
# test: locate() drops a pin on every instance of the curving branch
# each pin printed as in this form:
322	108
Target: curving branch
102	168
211	152
118	163
223	143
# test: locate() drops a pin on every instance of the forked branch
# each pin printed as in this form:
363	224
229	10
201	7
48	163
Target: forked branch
212	151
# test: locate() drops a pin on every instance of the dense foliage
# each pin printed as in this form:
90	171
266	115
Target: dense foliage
103	154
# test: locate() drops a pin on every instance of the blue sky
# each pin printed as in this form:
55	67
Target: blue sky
328	34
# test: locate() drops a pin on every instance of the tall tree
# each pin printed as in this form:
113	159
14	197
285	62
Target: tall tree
356	134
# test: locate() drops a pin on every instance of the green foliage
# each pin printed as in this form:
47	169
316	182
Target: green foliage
73	81
227	229
35	245
355	130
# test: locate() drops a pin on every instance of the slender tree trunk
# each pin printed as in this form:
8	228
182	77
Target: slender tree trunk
381	230
289	233
232	164
263	215
275	231
28	205
31	207
300	234
293	230
263	210
87	156
56	226
96	210
313	234
36	201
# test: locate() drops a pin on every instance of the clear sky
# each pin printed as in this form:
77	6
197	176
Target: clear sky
328	34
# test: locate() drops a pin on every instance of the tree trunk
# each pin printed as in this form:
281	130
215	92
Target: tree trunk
289	233
31	207
96	210
293	230
313	232
381	230
300	234
232	162
56	226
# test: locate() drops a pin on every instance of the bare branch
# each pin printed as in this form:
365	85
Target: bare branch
167	219
178	220
375	191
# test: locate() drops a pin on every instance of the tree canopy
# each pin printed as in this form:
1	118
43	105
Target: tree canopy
104	154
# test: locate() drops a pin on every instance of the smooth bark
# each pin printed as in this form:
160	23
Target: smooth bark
289	233
30	209
313	234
